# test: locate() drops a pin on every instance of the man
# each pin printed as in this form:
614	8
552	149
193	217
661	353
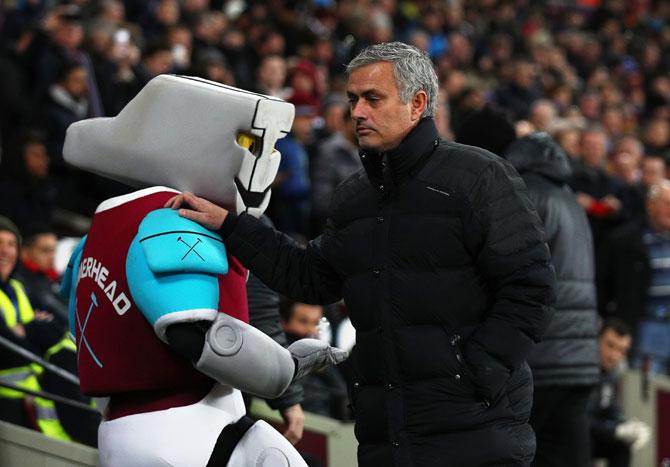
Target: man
325	392
565	363
612	435
635	278
596	190
36	271
440	258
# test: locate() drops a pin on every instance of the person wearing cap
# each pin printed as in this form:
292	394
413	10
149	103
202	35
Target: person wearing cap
441	259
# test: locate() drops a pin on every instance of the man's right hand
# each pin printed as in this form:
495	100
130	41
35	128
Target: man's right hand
312	355
202	211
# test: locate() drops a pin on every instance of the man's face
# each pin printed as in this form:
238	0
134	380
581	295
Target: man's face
36	160
76	83
159	63
653	171
658	210
41	251
304	321
613	349
9	250
382	119
593	148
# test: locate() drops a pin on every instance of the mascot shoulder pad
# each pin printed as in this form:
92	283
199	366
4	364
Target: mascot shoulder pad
173	244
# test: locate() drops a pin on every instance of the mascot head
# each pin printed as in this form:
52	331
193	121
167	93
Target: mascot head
192	135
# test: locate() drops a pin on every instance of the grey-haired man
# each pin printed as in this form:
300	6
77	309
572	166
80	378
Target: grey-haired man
440	257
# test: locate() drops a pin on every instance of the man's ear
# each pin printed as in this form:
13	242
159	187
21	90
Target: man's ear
419	103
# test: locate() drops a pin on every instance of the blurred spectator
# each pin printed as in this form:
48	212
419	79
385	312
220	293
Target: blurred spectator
212	65
271	76
180	39
500	132
304	84
612	121
519	92
333	111
336	160
27	193
568	137
653	170
325	393
613	436
656	138
542	114
603	65
595	189
156	60
635	275
289	205
65	104
36	272
64	49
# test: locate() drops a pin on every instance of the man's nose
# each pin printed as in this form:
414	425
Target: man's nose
358	111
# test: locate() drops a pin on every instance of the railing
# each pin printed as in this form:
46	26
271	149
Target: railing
333	443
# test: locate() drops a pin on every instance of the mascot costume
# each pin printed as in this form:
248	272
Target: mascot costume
157	307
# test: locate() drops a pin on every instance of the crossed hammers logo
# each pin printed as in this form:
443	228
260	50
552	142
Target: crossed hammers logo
191	248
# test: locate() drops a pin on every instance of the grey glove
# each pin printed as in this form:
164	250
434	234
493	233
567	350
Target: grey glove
633	432
312	355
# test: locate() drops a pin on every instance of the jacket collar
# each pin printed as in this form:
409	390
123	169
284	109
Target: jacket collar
405	159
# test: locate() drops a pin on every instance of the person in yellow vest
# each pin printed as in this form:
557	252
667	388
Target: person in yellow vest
22	325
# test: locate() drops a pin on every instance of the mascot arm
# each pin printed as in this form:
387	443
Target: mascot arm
172	269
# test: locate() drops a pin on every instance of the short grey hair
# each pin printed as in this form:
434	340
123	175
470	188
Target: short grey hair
412	69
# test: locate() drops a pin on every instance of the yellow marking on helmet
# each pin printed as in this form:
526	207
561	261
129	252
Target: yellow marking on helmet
250	142
246	141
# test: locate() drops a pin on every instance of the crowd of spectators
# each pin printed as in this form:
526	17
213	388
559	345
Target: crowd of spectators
593	74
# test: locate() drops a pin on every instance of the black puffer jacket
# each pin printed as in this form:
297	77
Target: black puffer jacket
440	257
568	353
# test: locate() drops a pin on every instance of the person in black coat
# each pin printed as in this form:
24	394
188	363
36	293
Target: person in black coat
36	271
441	259
565	363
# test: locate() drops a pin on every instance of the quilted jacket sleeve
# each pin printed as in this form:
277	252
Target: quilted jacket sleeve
299	272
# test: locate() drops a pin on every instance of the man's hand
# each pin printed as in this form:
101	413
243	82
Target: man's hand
45	316
19	330
294	418
202	211
311	355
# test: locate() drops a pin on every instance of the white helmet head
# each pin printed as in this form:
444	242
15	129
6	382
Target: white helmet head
192	135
